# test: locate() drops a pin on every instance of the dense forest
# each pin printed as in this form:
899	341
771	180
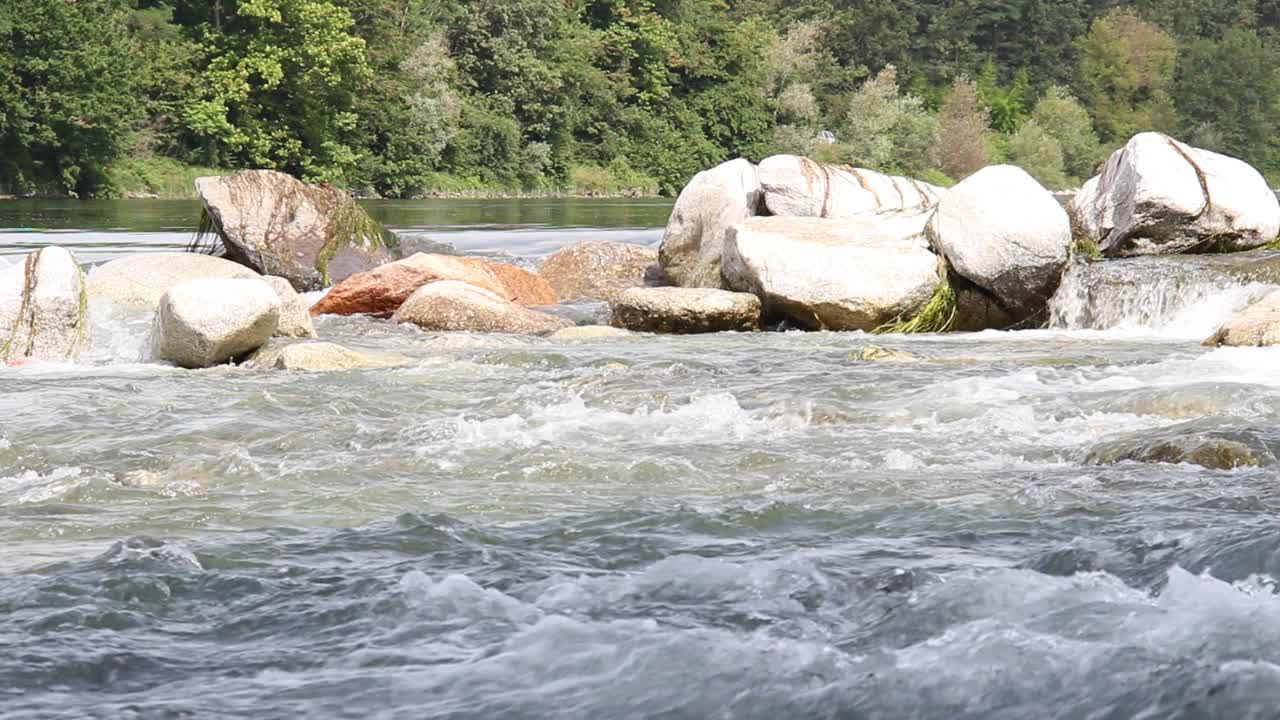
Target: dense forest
403	97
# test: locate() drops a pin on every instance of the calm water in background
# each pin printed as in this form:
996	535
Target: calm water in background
730	526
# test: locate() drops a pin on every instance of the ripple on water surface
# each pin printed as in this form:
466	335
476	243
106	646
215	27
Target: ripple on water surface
731	526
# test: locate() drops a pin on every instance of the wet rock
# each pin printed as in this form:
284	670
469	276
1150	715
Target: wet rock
590	332
855	273
455	305
210	321
709	205
320	357
295	314
312	235
1255	326
1213	450
600	269
686	310
43	307
1158	196
800	187
879	353
1003	232
381	291
140	280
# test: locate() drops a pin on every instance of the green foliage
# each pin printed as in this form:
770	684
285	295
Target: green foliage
963	131
938	315
1067	121
1126	71
619	178
885	130
1039	153
158	176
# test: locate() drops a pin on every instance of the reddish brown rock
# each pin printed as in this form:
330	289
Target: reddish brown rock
382	290
600	269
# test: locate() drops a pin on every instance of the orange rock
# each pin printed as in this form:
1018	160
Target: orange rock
600	269
382	290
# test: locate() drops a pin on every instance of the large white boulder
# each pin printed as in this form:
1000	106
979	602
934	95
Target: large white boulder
140	280
43	308
1007	235
686	310
209	321
712	202
797	186
454	305
1157	195
856	273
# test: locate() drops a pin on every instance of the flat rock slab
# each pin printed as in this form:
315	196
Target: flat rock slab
686	310
141	280
321	357
795	186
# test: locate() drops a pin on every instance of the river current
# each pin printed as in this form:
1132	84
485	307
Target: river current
729	526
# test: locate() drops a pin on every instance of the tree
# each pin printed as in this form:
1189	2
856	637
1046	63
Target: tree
67	93
280	88
1125	73
1036	151
885	130
1060	115
1227	93
963	128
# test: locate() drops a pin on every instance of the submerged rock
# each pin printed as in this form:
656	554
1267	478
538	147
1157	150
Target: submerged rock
1213	450
856	273
1157	196
799	187
600	269
320	357
140	280
879	353
312	235
590	332
211	321
381	291
1255	326
1003	232
455	305
295	315
709	205
43	307
686	310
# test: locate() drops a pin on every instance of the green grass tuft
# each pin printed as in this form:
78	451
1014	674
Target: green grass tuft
1084	246
155	176
938	315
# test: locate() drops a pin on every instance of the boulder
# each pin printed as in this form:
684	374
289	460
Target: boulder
590	332
1255	326
799	187
295	313
140	280
1216	450
381	291
312	235
686	310
712	202
856	273
43	307
210	321
1003	232
1158	196
600	269
455	305
320	357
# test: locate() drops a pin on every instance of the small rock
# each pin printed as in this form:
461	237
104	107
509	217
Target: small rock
295	313
450	305
140	280
877	353
43	308
590	332
1256	326
210	321
381	291
311	235
713	201
600	269
321	357
1216	451
686	310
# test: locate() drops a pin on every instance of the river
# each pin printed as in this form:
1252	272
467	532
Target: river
730	526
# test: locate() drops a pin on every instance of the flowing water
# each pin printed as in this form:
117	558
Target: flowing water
731	526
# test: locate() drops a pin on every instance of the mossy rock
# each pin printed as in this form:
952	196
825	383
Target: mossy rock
311	235
1213	450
